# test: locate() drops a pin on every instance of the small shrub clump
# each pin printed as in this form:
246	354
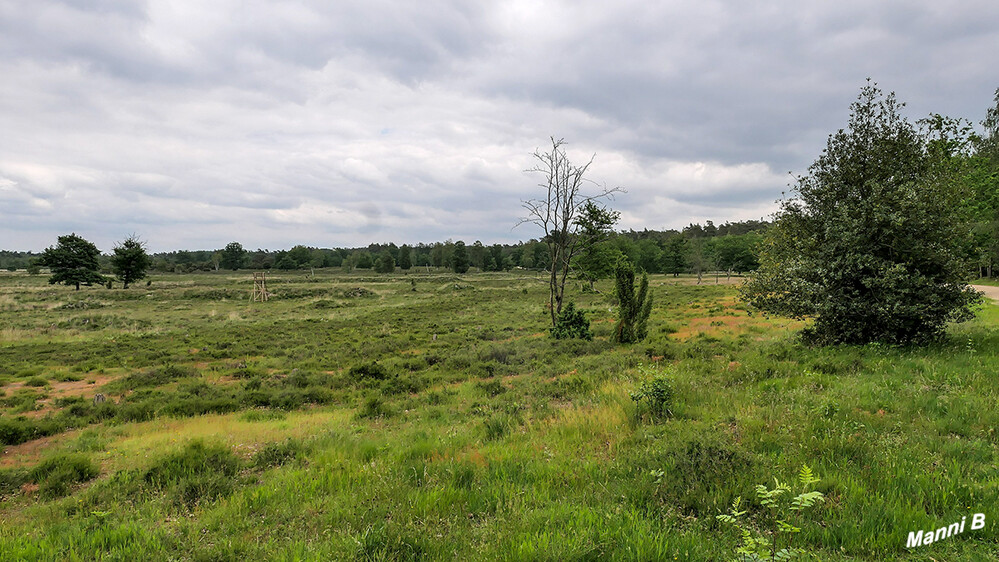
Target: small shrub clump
196	473
656	396
57	474
777	522
357	292
278	454
35	381
374	408
571	323
369	371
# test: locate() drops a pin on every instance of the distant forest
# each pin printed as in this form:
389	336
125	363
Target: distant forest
728	247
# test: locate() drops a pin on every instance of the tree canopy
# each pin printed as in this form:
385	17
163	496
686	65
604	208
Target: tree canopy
872	243
130	260
233	256
72	261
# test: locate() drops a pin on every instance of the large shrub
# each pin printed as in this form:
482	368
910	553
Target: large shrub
872	245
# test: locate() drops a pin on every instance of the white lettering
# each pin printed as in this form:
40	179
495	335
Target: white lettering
941	534
923	538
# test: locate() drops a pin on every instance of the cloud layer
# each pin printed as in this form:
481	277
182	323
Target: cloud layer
345	123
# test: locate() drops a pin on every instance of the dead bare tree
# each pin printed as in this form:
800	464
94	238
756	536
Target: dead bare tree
556	213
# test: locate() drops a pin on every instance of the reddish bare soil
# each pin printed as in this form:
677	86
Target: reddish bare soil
30	452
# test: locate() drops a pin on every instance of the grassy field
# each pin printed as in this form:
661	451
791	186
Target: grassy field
429	416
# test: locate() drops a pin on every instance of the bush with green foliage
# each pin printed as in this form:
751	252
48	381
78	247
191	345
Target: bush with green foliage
571	323
771	538
374	407
368	371
874	244
633	307
405	257
656	395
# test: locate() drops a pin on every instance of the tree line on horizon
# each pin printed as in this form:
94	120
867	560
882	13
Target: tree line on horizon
731	246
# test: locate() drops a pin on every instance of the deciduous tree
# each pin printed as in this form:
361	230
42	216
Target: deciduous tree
459	259
233	256
385	262
596	260
405	257
557	212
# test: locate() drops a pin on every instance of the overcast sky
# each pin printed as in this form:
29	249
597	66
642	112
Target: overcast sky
194	123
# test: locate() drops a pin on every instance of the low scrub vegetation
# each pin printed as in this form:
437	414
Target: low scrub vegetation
447	424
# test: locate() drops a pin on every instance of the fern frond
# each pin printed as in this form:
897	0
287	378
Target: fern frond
805	476
807	499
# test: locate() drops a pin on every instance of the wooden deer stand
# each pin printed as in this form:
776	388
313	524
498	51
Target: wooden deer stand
259	286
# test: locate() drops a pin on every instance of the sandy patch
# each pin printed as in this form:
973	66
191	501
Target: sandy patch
30	452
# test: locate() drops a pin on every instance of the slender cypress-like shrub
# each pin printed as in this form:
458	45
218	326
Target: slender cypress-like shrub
634	308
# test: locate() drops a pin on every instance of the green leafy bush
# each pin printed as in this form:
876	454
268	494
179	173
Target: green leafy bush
656	395
154	377
374	408
571	323
36	382
874	242
19	430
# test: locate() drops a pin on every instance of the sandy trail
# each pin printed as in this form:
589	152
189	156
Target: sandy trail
990	292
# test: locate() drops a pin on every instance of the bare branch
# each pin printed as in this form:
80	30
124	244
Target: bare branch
557	211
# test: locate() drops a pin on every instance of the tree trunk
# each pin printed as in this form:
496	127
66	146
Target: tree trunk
77	285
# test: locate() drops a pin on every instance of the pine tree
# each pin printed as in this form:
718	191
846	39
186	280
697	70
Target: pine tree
130	260
72	261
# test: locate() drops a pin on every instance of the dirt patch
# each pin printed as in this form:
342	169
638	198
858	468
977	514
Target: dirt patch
79	388
31	451
64	389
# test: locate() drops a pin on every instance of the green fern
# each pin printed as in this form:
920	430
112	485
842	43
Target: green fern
805	476
770	537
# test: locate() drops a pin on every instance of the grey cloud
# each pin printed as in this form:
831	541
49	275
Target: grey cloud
339	123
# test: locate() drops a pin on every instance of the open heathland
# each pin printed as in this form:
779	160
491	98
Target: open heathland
427	416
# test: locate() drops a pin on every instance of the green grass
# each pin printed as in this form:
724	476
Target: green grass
441	423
